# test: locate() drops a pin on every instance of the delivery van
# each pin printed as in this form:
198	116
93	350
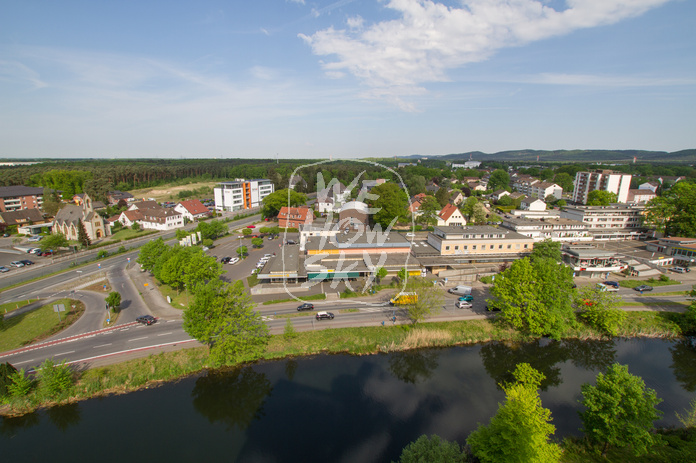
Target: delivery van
460	290
404	298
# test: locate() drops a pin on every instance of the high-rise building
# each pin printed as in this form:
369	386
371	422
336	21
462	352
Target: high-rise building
241	194
604	180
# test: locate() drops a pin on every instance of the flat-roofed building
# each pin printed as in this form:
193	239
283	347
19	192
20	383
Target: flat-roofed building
683	249
604	180
589	261
541	190
553	229
480	242
242	194
613	222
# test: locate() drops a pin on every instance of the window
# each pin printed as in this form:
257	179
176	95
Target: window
525	246
456	248
500	246
474	247
492	246
509	246
517	246
466	247
446	248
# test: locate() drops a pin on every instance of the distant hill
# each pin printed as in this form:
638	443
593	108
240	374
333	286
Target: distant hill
684	156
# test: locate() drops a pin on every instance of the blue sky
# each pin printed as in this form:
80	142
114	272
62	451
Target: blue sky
350	78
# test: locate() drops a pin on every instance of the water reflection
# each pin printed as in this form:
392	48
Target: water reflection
500	358
11	426
683	364
290	369
64	416
413	366
234	397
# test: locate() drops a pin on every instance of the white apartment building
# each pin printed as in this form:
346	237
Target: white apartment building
541	190
467	165
242	194
604	180
524	183
615	222
553	229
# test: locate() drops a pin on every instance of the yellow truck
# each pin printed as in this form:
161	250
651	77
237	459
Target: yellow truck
404	298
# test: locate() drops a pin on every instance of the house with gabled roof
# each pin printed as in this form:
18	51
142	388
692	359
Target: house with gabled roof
293	217
68	218
450	215
192	209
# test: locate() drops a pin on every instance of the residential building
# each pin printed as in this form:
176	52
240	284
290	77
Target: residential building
604	180
353	214
115	196
293	217
192	209
414	208
532	204
297	180
541	190
615	222
331	198
641	195
68	218
15	198
242	194
28	221
524	183
480	243
466	165
450	215
553	229
456	198
652	186
150	215
496	195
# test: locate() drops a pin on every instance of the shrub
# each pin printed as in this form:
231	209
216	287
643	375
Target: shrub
55	380
488	279
103	253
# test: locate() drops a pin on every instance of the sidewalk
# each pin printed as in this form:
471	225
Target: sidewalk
152	298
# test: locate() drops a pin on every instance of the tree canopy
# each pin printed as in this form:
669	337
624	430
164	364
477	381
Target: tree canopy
428	210
600	309
499	180
392	203
547	249
222	316
430	299
442	196
432	449
280	198
55	241
674	213
536	296
601	198
620	411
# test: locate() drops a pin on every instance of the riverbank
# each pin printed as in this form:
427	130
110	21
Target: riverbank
169	366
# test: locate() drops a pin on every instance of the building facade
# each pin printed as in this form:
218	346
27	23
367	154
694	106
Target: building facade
241	194
615	222
293	217
603	180
481	242
16	198
553	229
68	218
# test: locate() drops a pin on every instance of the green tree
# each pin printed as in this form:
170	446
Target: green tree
601	198
51	202
380	273
222	316
6	371
212	229
535	297
688	418
469	207
82	235
402	274
600	309
430	299
54	242
257	242
200	269
505	200
674	213
479	217
246	231
150	252
278	199
428	210
432	449
169	266
520	430
114	300
289	332
499	180
620	411
442	196
55	380
564	180
391	204
135	226
20	384
547	249
242	250
546	174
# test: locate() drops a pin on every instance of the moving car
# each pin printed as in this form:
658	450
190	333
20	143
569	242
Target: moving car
26	262
610	288
642	288
463	305
251	226
325	316
225	260
680	269
233	260
305	306
146	319
35	238
615	284
4	269
16	263
467	298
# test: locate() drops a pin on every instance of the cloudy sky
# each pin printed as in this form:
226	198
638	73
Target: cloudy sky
347	78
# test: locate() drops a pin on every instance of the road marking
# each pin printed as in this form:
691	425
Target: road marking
102	345
65	353
26	361
164	334
169	321
137	339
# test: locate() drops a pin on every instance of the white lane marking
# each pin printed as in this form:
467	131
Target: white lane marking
65	353
26	361
164	334
137	339
169	321
101	345
131	350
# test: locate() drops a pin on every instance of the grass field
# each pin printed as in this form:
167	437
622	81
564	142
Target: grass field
179	301
10	306
38	324
650	282
169	192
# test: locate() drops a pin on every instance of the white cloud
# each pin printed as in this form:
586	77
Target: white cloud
301	2
397	56
14	71
602	81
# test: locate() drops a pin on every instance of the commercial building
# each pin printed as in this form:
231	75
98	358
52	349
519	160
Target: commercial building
16	198
552	228
682	249
150	215
614	222
241	194
603	180
480	243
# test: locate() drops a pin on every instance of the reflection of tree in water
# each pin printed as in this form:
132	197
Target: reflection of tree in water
684	362
290	369
413	366
234	397
64	416
10	426
499	359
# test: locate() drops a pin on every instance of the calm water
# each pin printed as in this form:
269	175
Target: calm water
336	408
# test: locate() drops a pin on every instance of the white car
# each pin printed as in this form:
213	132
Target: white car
463	305
267	256
35	238
17	264
34	251
233	260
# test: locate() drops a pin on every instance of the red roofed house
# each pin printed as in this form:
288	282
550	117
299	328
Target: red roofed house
293	217
192	209
450	215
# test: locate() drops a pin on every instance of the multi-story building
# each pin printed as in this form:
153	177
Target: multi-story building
616	222
604	180
241	194
541	190
524	183
683	249
553	229
16	198
641	195
481	243
293	217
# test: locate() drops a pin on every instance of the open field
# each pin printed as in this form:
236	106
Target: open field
169	192
38	324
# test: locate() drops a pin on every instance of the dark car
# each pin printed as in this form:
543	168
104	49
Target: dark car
26	262
615	284
146	319
642	288
325	316
225	260
306	306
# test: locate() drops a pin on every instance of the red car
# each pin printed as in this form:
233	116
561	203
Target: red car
251	226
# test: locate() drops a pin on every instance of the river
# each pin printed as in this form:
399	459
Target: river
338	408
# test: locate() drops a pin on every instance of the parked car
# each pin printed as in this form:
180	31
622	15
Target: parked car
35	238
225	260
460	290
35	251
615	284
290	242
267	256
26	262
251	226
642	288
45	253
463	305
146	319
324	316
16	263
4	269
233	260
680	269
305	306
467	298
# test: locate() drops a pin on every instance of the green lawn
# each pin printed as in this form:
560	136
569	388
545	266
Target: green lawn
10	306
179	301
649	281
314	297
127	233
37	324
